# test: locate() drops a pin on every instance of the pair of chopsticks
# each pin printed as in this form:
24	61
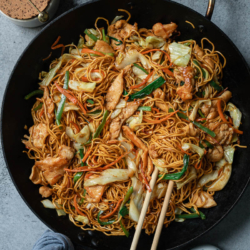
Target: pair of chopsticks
144	211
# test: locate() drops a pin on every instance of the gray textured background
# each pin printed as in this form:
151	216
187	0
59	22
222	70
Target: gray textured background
19	227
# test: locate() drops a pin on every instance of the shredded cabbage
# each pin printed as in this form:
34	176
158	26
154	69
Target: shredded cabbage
196	107
134	121
161	165
191	176
235	114
82	86
116	19
115	113
90	42
194	148
152	42
180	54
82	137
178	211
229	153
82	218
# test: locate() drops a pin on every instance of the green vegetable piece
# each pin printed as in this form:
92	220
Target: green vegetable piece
204	74
36	92
201	145
201	114
81	156
63	100
177	176
216	86
182	83
98	111
93	37
148	89
123	211
104	36
38	107
101	126
125	92
124	229
113	38
82	200
90	101
202	215
102	222
77	176
209	145
145	108
141	68
187	216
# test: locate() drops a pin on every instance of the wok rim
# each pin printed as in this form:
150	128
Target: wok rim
50	226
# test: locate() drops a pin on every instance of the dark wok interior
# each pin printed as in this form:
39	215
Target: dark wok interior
24	79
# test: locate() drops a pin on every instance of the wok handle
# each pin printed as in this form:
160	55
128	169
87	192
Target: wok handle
210	9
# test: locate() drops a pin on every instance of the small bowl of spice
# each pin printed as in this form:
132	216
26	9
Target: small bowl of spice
29	13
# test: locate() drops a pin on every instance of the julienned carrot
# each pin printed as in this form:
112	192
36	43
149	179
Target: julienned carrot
86	155
162	120
145	52
56	42
155	109
183	151
76	207
220	111
41	112
90	51
168	72
126	98
118	159
82	108
56	46
84	79
143	82
238	131
198	164
64	92
76	127
110	214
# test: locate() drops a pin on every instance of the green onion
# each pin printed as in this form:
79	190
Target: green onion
145	108
124	229
104	36
98	111
177	176
123	211
93	37
81	156
198	66
63	100
77	176
201	145
148	89
101	126
187	216
36	92
82	200
201	114
203	216
216	86
113	38
38	107
209	145
90	101
125	92
102	222
187	44
182	83
141	68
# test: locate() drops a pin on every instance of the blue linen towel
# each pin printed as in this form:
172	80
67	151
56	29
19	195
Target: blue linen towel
53	241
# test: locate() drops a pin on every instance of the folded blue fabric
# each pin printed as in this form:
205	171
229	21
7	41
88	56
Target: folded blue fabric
53	241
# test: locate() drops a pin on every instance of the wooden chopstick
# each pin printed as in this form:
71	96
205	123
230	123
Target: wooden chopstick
144	211
162	215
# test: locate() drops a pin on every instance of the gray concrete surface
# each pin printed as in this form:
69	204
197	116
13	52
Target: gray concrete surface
19	227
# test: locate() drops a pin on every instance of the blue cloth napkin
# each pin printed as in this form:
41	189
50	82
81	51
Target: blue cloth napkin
53	241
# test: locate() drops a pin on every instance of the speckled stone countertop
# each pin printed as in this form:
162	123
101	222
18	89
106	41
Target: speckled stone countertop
19	227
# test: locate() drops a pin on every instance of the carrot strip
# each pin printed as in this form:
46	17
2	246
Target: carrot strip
86	155
126	98
155	109
88	51
198	164
110	214
82	108
64	92
84	79
76	207
182	150
117	160
168	72
76	126
201	119
56	42
230	120
41	112
220	111
162	120
238	131
143	82
145	52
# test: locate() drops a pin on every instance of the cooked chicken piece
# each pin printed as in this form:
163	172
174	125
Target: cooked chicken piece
152	152
50	106
158	93
185	91
54	167
35	175
200	53
121	29
215	154
224	133
192	130
211	112
203	199
114	92
104	47
116	123
95	193
38	134
129	134
164	30
45	191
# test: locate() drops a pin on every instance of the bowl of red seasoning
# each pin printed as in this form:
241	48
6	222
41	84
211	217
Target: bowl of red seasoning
25	14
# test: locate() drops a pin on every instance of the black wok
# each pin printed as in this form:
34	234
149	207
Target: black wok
16	113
